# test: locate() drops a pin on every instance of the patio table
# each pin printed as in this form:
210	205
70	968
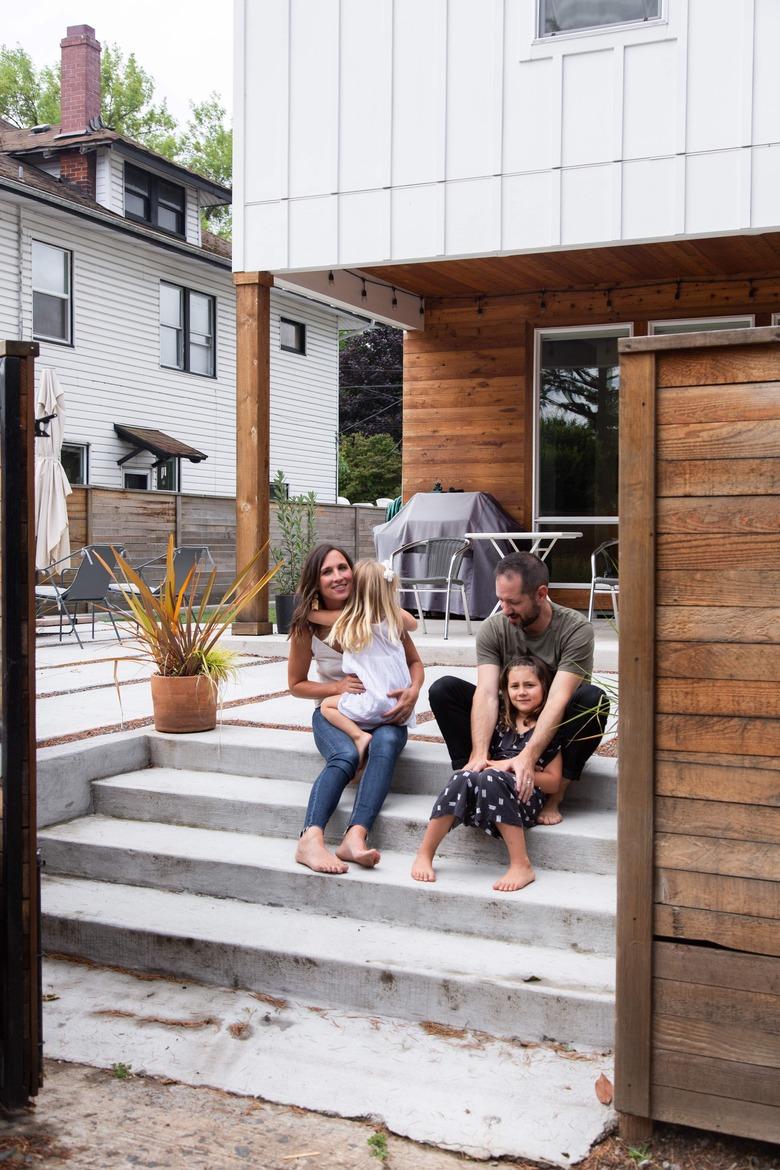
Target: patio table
542	543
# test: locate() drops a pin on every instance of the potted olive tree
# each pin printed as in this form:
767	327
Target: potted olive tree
296	518
180	636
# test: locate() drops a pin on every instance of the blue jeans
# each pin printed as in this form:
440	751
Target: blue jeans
341	758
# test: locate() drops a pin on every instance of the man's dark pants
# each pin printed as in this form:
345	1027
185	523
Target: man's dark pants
580	733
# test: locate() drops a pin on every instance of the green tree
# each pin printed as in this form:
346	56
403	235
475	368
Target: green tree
28	96
206	146
369	467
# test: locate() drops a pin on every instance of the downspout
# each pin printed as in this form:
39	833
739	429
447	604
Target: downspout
20	258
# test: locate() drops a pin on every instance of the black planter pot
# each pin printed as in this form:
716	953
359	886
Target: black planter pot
285	607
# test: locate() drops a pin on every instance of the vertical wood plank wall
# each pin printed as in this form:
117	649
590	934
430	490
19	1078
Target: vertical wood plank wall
704	1016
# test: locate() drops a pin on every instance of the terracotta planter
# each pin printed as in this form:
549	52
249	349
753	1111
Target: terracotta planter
184	704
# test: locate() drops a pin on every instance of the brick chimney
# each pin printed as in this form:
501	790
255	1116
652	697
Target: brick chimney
79	101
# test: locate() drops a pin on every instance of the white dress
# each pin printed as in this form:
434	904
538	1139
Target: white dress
381	667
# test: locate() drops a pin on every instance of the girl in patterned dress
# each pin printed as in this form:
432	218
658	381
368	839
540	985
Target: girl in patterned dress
488	800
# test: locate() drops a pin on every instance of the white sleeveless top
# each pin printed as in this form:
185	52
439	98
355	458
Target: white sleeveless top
381	667
328	662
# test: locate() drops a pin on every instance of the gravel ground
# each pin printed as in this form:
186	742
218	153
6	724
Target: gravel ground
90	1119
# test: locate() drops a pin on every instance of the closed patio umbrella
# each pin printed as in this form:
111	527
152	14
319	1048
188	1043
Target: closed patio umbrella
52	541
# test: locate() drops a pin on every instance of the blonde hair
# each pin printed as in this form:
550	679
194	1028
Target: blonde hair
374	599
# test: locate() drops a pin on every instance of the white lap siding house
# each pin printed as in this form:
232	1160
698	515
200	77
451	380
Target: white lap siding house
104	263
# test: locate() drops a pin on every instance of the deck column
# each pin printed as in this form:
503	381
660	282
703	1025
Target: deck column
253	400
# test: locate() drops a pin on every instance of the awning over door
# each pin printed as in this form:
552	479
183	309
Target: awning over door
160	445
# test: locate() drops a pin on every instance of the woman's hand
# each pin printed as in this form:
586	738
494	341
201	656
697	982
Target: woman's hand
405	700
350	685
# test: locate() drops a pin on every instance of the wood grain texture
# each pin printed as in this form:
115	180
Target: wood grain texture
636	730
726	895
756	400
717	968
719	365
739	779
723	587
718	659
753	553
714	818
720	1078
724	1041
716	733
748	859
718	477
714	623
703	696
724	515
730	1006
739	932
719	440
705	1111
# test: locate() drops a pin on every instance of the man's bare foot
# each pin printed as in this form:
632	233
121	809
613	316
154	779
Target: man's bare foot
515	878
311	851
354	848
550	815
422	868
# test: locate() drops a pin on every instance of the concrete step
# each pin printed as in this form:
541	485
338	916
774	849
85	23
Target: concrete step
292	755
562	910
585	842
529	992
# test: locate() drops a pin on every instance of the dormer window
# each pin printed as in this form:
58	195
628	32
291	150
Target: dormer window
153	200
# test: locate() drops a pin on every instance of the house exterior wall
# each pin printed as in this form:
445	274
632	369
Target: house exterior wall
404	131
112	372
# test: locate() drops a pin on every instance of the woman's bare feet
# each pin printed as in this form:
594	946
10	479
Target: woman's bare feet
422	868
312	852
515	878
354	848
550	814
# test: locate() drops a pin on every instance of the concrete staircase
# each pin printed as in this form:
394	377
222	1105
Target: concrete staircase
185	867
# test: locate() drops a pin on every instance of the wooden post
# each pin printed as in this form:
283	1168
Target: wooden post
636	732
253	401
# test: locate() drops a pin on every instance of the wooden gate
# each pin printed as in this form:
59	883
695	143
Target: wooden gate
698	991
20	992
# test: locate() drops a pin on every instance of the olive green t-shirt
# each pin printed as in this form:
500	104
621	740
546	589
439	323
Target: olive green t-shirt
566	644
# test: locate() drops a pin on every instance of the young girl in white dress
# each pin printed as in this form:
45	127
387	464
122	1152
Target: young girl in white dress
488	800
371	630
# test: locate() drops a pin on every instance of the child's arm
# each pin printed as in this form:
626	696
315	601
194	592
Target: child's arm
323	617
550	777
410	621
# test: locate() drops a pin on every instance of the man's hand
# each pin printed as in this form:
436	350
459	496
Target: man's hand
405	699
523	767
350	685
476	763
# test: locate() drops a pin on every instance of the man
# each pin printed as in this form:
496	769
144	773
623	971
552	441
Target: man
576	711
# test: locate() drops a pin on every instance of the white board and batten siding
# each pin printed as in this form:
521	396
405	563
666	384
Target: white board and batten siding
398	130
112	372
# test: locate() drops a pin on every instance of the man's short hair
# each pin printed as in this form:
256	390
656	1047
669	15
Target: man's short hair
532	571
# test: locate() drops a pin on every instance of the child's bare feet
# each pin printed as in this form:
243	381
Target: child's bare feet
362	743
551	813
422	867
515	878
354	848
311	851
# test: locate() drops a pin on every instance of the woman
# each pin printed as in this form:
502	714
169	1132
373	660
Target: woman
326	583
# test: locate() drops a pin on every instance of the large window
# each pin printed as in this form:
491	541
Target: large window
51	282
561	16
154	200
577	442
187	332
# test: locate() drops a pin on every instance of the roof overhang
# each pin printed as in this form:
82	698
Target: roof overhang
157	443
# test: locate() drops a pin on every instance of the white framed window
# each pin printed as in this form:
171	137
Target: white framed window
575	443
187	330
700	325
292	336
75	461
52	269
571	16
135	479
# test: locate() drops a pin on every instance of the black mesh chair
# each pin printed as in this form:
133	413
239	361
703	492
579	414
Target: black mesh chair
604	575
435	568
89	587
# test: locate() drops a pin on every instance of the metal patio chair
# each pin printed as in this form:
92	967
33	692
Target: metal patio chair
437	563
185	558
89	587
604	576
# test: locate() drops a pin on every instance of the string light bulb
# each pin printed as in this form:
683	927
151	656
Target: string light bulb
364	292
422	307
331	277
394	301
542	301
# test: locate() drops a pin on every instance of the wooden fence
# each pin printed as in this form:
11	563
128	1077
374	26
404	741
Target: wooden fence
141	522
698	992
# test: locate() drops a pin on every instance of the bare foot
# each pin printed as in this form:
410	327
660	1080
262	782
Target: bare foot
311	851
422	868
515	878
550	815
354	848
362	743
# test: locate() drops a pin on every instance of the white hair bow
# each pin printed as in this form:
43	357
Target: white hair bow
389	573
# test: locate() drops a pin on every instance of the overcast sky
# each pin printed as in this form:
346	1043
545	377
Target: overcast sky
186	45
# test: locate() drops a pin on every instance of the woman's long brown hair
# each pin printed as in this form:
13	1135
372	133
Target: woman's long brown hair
308	591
